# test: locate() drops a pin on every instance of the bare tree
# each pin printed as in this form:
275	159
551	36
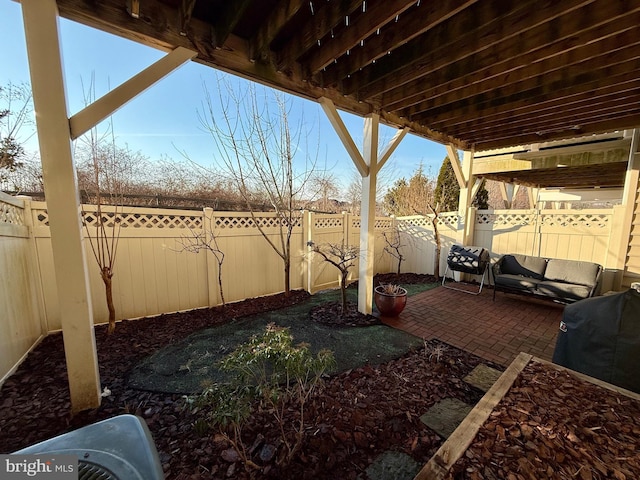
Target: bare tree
394	245
341	256
106	170
206	240
258	147
15	114
327	187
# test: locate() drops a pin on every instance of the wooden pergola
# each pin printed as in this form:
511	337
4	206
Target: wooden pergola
471	74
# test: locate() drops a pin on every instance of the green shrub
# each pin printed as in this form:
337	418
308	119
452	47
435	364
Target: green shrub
272	374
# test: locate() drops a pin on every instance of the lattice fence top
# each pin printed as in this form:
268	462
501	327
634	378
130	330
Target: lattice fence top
577	219
327	222
444	219
265	222
132	220
515	218
11	214
378	224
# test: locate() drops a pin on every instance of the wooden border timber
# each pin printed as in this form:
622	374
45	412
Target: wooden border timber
460	440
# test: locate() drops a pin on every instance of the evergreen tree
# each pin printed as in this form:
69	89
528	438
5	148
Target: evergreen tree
447	193
447	189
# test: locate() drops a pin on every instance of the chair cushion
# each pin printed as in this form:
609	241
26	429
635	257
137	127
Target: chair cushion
517	282
524	265
572	271
569	291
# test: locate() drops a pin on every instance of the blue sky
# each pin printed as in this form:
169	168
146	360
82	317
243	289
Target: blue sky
163	120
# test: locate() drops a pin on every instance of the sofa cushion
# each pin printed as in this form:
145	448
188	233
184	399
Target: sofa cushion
569	291
517	282
572	271
524	265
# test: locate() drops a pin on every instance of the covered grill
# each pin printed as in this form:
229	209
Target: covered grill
467	259
600	337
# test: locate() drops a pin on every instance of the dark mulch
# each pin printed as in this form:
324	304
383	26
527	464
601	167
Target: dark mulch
357	416
331	313
580	431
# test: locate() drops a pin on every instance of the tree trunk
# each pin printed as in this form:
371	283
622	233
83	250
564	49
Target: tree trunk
436	267
220	284
107	275
343	292
287	280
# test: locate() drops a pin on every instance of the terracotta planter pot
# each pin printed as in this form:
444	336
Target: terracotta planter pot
390	305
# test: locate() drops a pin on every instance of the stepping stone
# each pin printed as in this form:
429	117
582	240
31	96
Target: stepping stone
393	465
445	416
483	377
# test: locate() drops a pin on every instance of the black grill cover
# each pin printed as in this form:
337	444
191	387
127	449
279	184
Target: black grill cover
600	337
468	259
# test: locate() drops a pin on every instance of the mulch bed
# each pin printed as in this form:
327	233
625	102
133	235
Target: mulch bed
551	424
358	414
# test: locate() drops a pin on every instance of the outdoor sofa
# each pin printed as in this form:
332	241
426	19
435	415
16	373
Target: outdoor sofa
564	281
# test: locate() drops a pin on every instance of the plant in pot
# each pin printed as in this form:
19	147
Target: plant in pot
390	299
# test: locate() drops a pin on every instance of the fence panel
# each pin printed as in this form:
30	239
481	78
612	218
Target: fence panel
569	234
151	275
21	313
251	266
418	238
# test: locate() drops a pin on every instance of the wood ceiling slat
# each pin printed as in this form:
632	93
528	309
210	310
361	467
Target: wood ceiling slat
566	110
377	14
281	15
620	122
408	27
595	22
327	17
475	73
186	9
623	60
226	21
563	122
602	175
547	101
556	69
455	40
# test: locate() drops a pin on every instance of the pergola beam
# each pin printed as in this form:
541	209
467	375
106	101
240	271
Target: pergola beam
344	135
454	158
108	104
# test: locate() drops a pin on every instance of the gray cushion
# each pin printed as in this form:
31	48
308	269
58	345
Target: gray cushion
572	271
517	282
524	265
568	291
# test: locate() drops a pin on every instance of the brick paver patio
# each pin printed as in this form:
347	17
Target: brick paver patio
496	331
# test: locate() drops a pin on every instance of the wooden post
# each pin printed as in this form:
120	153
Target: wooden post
59	176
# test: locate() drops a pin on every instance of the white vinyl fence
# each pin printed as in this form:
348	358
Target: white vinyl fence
153	275
22	321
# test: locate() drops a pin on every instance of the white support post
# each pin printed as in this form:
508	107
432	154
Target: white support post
368	214
629	199
465	198
368	164
49	98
